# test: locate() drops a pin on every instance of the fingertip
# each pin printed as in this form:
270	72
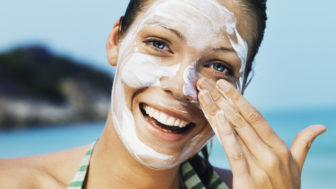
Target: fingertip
309	134
202	93
220	82
198	85
318	129
201	84
322	127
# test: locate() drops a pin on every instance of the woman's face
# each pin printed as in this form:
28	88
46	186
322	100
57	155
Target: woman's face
167	49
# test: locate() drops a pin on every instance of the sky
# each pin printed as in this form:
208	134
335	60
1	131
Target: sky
295	67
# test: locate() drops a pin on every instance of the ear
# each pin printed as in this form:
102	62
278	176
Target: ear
112	44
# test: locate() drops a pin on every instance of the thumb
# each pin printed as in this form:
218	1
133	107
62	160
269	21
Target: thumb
303	141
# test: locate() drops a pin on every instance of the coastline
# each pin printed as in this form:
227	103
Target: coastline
38	88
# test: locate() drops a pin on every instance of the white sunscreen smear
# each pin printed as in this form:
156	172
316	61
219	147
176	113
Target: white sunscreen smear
202	22
190	77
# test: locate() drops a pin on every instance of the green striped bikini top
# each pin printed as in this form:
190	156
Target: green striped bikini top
189	176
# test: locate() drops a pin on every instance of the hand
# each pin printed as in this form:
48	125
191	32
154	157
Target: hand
258	157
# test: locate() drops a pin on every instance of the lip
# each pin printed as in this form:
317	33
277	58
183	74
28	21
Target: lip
158	132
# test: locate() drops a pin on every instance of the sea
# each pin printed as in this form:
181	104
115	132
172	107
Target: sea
319	170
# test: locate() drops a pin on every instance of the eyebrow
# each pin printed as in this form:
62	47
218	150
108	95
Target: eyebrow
176	32
180	36
226	49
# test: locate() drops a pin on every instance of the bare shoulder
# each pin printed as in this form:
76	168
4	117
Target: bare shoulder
225	175
44	171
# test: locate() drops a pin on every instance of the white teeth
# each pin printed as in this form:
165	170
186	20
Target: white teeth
170	121
151	111
164	118
177	122
156	113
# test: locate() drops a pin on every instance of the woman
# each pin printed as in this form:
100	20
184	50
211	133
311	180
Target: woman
182	66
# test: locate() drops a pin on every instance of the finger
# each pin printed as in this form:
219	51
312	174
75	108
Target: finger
231	145
303	141
250	113
230	142
208	105
246	133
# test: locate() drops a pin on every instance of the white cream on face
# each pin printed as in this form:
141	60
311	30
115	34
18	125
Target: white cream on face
202	22
190	77
151	71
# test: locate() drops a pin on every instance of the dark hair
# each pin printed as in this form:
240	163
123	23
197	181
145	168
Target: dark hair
257	9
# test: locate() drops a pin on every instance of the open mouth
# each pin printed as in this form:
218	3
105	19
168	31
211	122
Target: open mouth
165	122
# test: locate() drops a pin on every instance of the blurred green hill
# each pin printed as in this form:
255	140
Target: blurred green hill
38	87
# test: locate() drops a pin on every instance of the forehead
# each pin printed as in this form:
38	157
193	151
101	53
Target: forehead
200	19
206	10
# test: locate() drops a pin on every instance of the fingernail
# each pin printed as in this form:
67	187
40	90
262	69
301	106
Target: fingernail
206	97
223	85
202	84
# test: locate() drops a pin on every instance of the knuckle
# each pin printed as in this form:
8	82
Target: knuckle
212	111
234	95
227	131
263	177
216	97
210	114
254	116
272	163
284	152
237	119
237	156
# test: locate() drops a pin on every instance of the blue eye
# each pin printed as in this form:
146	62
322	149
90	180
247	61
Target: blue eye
159	44
220	67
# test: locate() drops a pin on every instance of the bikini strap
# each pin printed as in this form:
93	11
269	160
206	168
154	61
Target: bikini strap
189	176
78	180
192	181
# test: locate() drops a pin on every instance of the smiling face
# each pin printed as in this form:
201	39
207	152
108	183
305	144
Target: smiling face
168	48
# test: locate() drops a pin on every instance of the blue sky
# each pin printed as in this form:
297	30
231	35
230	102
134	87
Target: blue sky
295	67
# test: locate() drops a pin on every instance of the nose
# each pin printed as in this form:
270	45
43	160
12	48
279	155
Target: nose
180	85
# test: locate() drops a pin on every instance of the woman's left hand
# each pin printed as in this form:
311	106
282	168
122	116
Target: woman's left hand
258	157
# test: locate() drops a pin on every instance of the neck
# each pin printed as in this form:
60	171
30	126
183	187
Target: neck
113	167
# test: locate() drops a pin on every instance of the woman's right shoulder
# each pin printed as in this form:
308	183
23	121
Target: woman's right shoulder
54	170
16	173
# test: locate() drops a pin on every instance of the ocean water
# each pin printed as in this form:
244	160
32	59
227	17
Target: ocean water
319	170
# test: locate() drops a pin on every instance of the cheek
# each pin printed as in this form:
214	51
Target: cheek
136	71
141	71
129	93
